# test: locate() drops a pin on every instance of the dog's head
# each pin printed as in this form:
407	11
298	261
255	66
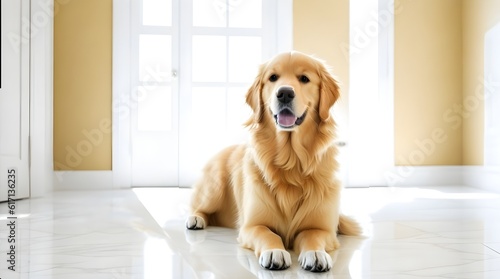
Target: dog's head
291	89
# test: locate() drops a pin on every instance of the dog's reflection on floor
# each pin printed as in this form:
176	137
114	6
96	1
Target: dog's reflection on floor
215	253
341	262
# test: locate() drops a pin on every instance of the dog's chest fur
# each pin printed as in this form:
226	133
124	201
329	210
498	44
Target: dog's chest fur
294	205
288	200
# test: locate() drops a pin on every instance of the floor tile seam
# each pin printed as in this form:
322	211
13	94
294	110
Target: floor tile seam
491	248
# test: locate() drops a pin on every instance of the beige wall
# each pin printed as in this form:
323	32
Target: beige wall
82	85
321	28
478	18
428	82
441	43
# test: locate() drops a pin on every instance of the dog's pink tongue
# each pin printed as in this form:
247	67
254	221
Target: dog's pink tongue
286	118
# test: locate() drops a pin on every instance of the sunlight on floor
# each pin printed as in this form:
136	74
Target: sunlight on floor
158	259
444	230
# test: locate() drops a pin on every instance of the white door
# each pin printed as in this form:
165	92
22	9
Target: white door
14	100
191	64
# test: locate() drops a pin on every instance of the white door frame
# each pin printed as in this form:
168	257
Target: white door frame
41	96
121	109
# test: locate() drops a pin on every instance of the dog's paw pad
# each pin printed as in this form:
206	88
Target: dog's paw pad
275	259
194	222
315	261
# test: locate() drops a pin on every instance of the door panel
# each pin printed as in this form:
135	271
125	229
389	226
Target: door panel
14	101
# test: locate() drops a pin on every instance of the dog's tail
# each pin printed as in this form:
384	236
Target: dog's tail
348	226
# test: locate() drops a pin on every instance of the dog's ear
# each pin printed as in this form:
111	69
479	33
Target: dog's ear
329	93
254	98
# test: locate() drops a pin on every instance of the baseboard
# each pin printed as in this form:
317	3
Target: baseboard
407	176
83	180
483	177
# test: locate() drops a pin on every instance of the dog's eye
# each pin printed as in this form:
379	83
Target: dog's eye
304	79
273	78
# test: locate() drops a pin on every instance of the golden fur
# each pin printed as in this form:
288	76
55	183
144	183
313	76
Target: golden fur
280	190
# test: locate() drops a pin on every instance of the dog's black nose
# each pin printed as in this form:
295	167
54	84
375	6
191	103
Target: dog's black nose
285	95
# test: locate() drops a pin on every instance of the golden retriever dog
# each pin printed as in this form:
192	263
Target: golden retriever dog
280	190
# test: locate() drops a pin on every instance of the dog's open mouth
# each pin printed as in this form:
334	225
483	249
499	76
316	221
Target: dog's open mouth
287	119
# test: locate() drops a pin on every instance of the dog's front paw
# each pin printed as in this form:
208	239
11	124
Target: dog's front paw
194	222
275	259
315	261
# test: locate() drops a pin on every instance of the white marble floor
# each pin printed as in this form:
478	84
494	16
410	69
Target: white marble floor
431	232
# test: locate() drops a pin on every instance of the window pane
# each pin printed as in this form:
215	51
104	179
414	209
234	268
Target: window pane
155	58
157	12
245	13
206	135
245	55
208	109
209	58
155	109
208	13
